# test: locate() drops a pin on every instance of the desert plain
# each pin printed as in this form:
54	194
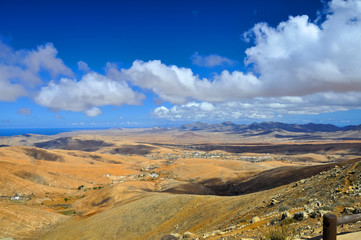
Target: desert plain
177	183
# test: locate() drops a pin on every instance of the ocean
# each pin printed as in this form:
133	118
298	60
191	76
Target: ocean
42	131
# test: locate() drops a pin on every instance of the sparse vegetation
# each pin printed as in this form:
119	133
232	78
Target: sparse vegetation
283	208
279	232
301	200
326	208
288	221
68	212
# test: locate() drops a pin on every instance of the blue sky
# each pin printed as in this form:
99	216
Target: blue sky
164	63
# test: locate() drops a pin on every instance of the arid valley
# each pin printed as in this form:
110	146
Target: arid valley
197	181
172	120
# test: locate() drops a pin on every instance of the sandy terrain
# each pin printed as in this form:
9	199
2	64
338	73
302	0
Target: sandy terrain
142	184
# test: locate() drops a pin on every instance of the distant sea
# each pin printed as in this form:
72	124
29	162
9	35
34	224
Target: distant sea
42	131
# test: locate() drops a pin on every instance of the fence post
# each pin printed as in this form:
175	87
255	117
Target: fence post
329	226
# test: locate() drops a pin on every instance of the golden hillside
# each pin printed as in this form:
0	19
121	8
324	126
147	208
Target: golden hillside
134	186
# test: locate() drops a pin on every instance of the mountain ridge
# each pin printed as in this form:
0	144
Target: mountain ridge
267	127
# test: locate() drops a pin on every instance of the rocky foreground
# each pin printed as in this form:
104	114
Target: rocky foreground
296	210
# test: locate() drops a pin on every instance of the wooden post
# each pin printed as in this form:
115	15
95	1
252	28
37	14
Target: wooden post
329	226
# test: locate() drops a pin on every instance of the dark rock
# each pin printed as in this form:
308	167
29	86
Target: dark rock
356	211
348	210
285	215
316	214
300	215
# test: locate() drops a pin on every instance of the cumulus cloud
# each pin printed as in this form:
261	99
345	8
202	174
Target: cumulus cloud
212	60
21	69
171	83
83	66
86	95
24	111
45	58
93	112
180	85
299	57
10	91
112	71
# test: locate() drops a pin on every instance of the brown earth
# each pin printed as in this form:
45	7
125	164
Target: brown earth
142	185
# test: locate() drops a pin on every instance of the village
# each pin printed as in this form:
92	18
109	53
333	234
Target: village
214	155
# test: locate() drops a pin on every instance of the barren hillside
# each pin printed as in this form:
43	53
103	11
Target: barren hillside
144	185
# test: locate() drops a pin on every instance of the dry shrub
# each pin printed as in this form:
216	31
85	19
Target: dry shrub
279	232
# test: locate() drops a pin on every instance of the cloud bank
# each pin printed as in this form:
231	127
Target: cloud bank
261	108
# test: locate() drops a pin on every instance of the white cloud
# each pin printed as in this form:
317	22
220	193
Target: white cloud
93	112
261	108
171	83
180	85
112	72
299	57
21	69
83	66
45	58
163	112
212	60
86	95
10	91
195	111
24	111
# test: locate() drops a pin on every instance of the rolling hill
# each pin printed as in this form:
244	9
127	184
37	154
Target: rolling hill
210	182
